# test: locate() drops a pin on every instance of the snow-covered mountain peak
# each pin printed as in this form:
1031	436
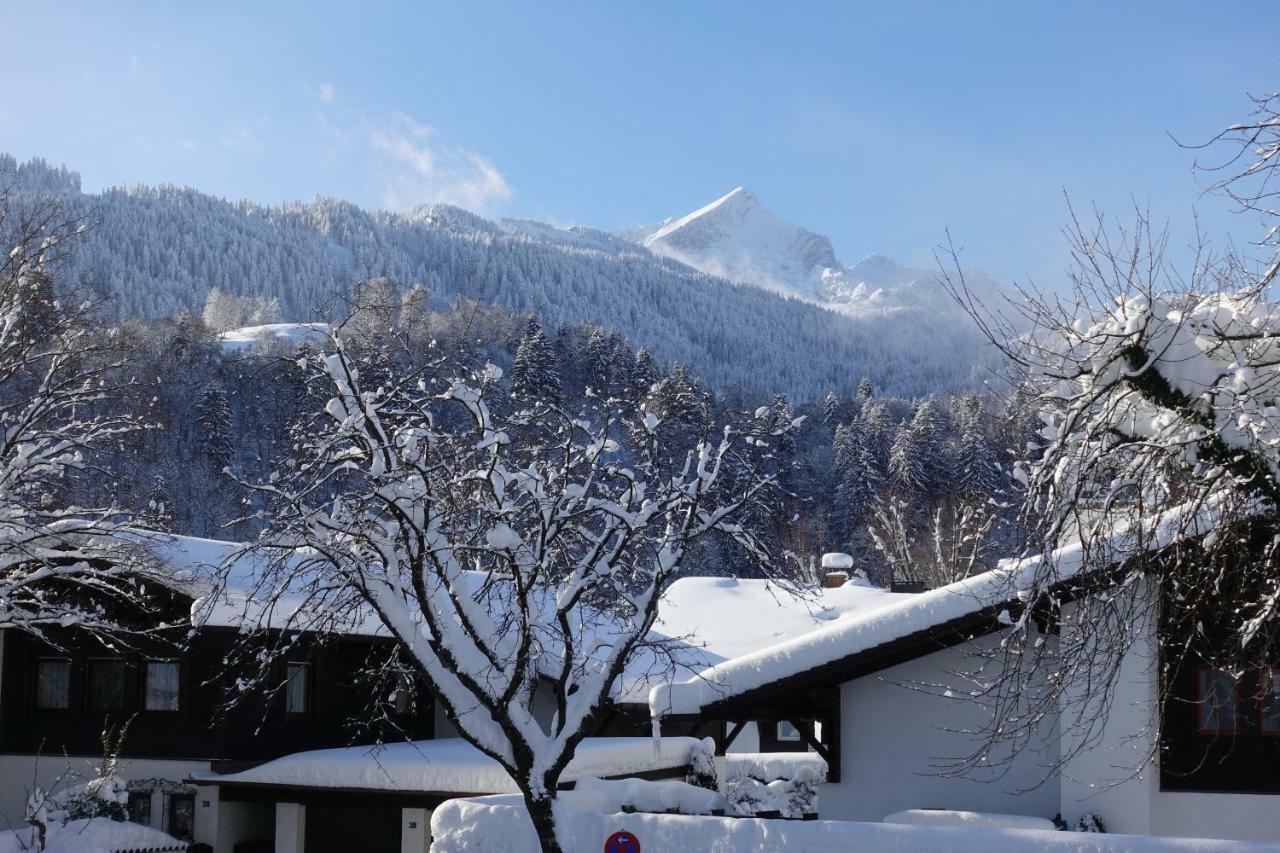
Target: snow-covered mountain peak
737	238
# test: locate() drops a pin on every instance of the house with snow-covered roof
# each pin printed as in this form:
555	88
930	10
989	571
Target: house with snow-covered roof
878	694
834	670
276	769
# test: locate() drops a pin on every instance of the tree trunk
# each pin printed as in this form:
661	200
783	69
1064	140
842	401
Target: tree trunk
544	822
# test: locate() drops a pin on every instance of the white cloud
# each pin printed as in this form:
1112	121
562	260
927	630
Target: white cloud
325	92
412	165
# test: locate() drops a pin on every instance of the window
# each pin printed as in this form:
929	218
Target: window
295	688
788	732
1270	711
140	807
1216	701
106	685
53	684
161	686
180	815
402	697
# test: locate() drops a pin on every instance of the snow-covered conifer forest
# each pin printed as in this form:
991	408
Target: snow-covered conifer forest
884	410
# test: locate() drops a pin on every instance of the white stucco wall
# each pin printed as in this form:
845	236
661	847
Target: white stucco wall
893	736
1107	779
19	772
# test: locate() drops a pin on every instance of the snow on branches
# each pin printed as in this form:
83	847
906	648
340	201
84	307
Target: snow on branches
516	554
1159	397
60	566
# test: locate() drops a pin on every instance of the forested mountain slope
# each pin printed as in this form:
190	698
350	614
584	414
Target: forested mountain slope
159	250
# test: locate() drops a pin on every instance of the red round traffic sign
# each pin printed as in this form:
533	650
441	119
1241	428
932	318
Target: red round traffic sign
622	842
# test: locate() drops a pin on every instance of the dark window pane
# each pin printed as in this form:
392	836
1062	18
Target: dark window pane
53	684
402	699
106	685
162	686
295	689
181	816
1271	701
140	807
1217	701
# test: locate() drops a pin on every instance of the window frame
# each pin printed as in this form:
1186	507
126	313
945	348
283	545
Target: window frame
146	683
35	687
88	684
1200	703
170	798
305	668
778	736
145	796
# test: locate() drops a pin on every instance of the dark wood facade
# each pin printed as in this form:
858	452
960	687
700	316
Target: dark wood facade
201	728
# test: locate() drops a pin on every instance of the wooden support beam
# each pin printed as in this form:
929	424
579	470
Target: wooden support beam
723	743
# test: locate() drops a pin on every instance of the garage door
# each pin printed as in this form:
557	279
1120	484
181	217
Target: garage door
338	827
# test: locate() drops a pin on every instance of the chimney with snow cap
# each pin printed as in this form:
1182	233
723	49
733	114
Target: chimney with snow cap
835	569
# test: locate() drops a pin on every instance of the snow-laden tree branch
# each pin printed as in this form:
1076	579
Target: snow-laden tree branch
60	566
1159	397
513	558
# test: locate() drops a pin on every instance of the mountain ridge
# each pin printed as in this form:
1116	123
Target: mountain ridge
160	250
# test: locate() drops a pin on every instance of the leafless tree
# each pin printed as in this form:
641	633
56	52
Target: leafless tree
61	566
1155	490
510	552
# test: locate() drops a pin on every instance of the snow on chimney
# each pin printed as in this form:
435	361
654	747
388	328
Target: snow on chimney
835	569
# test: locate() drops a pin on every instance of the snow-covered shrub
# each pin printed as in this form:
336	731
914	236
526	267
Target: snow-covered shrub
1090	823
103	796
702	765
782	782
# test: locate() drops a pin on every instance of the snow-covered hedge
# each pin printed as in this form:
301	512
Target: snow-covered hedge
641	795
761	782
500	825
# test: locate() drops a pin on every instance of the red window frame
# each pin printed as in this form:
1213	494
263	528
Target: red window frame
1200	703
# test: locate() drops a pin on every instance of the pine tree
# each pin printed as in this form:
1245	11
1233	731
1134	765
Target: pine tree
534	375
864	390
644	373
976	475
214	422
830	410
858	479
906	465
598	358
159	512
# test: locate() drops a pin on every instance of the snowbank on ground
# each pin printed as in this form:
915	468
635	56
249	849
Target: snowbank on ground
98	835
501	825
290	334
451	765
949	817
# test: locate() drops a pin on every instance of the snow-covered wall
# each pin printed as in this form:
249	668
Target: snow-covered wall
893	738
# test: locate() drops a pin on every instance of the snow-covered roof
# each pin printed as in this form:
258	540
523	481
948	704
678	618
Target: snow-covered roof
290	334
197	562
710	620
901	617
450	766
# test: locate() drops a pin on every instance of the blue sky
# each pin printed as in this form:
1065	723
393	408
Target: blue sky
880	125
